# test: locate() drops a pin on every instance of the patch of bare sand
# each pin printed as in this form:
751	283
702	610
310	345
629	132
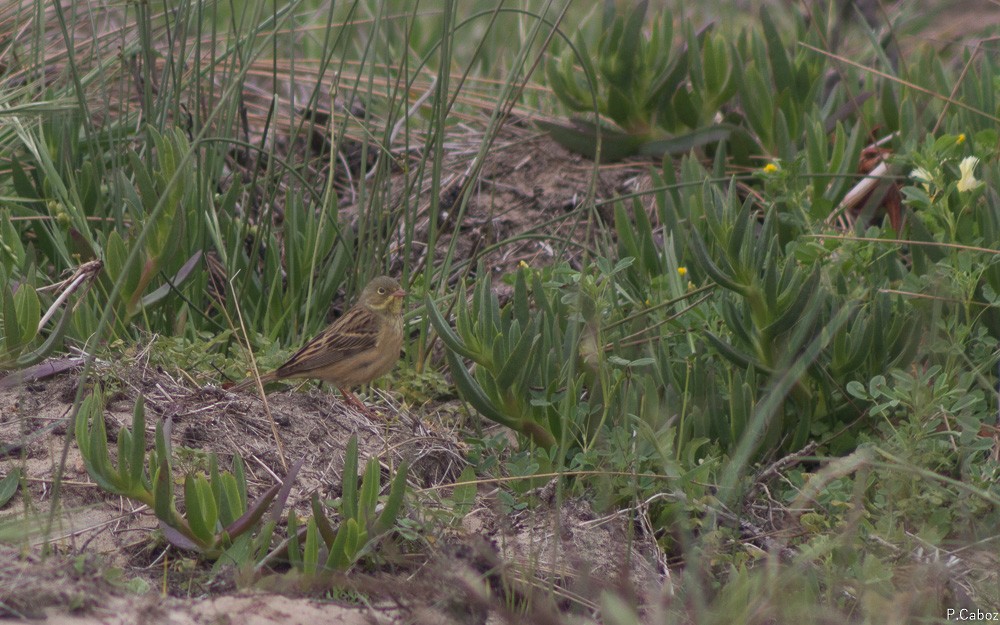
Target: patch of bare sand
461	573
245	609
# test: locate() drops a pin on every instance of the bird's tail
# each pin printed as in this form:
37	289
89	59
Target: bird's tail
251	381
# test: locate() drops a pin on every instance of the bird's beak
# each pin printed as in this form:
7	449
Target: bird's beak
400	293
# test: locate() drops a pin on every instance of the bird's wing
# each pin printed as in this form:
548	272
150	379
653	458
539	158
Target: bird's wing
353	333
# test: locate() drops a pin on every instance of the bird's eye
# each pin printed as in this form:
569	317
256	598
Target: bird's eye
381	290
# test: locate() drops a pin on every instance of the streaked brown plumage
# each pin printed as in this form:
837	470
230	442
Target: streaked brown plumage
363	344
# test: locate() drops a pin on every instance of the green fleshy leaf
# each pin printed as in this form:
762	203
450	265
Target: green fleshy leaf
8	486
394	502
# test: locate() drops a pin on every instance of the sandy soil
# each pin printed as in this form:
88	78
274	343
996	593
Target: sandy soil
102	548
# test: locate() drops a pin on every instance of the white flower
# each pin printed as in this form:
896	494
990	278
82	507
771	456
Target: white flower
967	168
922	175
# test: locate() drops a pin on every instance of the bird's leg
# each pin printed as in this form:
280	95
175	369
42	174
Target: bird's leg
352	399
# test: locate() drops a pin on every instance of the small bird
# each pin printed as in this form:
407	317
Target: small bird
358	347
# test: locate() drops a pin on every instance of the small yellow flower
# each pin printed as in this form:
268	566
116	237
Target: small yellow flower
770	168
648	302
682	271
967	168
523	265
960	139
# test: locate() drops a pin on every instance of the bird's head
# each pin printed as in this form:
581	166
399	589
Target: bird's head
383	295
